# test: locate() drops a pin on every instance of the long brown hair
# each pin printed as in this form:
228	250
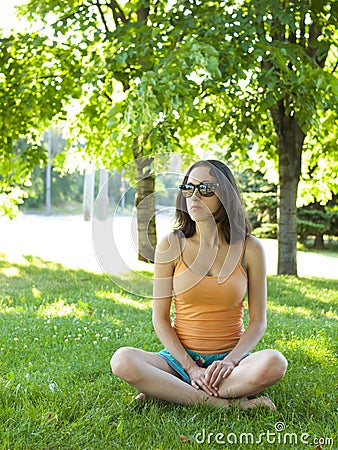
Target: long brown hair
230	215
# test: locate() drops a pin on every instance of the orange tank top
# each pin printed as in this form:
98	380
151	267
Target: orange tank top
208	316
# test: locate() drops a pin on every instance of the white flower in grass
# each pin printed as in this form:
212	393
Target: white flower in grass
52	386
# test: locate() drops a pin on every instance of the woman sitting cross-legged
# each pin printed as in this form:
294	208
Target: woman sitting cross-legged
209	262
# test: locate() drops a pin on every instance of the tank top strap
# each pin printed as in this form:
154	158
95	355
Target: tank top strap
241	259
244	245
179	247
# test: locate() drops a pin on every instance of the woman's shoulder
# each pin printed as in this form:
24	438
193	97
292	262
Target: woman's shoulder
254	248
253	242
168	247
167	241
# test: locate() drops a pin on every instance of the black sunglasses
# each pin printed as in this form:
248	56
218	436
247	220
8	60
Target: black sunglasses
205	189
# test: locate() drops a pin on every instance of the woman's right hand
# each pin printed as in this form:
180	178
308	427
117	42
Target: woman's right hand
197	377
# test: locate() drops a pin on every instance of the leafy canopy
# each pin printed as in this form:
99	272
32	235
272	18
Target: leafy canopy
150	75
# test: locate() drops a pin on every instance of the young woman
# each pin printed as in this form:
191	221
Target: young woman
210	262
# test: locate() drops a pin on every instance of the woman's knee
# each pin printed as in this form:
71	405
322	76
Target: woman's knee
274	366
123	363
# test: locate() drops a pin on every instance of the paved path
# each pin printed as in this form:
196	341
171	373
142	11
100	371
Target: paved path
69	241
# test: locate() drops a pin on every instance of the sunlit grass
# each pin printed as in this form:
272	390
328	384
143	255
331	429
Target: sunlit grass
138	304
10	272
59	328
59	309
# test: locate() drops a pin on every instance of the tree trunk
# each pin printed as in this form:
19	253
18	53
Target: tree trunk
145	205
290	140
49	174
287	224
319	242
319	237
88	193
102	201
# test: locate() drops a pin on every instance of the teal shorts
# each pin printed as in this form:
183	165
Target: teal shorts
201	360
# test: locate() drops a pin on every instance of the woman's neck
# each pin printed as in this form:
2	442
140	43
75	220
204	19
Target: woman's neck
208	234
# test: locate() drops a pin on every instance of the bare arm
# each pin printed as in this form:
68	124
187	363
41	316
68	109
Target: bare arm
255	264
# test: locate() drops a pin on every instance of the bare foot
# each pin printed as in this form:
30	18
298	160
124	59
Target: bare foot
141	397
257	402
244	402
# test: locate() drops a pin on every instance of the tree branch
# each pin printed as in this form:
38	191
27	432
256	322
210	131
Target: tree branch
314	33
118	14
155	6
302	31
292	38
143	12
108	97
277	113
97	3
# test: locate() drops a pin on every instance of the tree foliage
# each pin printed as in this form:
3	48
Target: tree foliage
286	56
33	91
258	77
138	94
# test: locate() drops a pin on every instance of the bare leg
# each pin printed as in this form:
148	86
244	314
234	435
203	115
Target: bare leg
254	374
152	376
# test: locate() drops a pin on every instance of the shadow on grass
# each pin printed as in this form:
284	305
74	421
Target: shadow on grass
43	291
42	281
303	311
318	296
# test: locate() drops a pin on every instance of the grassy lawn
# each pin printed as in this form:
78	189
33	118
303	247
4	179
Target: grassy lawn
59	328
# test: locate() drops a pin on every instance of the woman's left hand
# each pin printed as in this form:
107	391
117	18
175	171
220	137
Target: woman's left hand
217	371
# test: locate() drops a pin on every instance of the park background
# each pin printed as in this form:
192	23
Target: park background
111	101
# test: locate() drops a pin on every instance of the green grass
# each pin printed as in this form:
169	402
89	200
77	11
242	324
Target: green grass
59	328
